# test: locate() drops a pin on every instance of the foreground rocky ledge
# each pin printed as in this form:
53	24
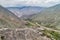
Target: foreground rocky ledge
22	34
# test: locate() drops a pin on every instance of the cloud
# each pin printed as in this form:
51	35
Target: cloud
44	3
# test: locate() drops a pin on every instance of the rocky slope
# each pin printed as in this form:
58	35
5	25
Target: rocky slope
22	34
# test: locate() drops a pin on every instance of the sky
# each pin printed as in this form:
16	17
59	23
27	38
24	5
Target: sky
42	3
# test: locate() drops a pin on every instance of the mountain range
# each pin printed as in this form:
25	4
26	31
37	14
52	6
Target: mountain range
25	10
46	16
42	22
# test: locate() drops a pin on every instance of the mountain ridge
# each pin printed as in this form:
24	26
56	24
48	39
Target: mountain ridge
25	10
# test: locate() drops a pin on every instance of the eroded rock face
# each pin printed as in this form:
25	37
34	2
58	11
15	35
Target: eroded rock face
21	34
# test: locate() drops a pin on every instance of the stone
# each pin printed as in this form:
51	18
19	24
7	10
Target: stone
21	34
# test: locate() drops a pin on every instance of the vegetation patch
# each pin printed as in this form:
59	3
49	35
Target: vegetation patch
52	34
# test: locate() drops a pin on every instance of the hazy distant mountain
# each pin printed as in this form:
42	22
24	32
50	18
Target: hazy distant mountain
25	10
8	19
49	16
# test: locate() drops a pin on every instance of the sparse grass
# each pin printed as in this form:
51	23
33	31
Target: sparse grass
51	34
50	26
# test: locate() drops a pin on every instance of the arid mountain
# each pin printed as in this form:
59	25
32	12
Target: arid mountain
13	28
49	17
8	19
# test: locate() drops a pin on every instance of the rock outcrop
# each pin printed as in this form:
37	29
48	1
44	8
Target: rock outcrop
22	34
